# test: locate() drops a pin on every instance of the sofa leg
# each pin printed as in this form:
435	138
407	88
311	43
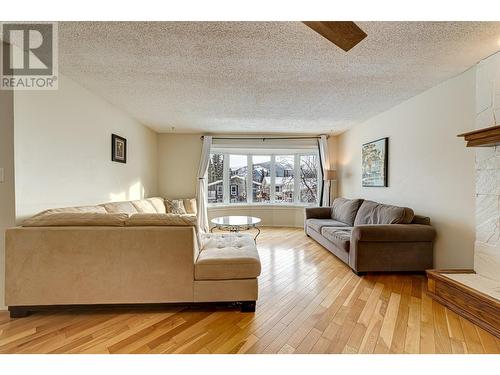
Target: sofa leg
360	274
248	306
18	312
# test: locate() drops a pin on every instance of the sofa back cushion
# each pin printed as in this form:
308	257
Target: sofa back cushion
377	213
73	219
120	208
144	206
345	210
79	209
158	204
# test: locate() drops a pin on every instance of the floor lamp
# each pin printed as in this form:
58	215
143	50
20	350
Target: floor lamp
330	175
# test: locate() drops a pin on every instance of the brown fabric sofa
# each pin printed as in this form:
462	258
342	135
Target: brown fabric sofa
373	237
125	253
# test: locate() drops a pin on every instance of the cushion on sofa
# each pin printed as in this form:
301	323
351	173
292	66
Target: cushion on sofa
175	206
227	257
190	206
158	204
66	219
377	213
143	219
144	206
125	207
341	237
78	209
345	210
419	219
317	224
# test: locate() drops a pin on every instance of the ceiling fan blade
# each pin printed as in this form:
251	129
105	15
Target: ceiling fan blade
344	34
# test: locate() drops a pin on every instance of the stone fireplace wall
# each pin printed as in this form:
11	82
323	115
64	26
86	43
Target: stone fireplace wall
487	245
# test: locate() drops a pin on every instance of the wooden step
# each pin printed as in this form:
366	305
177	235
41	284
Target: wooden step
480	308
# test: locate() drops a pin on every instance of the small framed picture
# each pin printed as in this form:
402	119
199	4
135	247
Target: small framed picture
118	149
375	163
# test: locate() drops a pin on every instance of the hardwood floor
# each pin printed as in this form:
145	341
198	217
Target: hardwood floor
310	302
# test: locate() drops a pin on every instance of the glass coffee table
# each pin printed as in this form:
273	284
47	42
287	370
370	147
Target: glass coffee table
235	224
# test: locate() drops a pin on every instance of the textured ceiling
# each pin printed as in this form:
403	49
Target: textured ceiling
264	76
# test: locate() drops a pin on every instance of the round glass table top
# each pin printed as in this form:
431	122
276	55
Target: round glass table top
236	220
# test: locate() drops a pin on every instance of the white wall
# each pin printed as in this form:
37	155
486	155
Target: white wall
178	159
63	151
430	170
7	199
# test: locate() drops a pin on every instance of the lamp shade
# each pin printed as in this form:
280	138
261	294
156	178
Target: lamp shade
330	175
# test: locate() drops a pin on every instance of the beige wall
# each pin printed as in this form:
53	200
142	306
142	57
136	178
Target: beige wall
7	199
178	159
63	151
430	170
275	216
333	151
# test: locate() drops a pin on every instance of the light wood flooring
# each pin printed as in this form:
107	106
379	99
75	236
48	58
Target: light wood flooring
310	302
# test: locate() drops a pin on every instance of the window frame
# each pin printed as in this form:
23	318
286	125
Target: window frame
272	172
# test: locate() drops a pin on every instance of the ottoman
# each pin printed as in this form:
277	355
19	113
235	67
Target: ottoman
226	269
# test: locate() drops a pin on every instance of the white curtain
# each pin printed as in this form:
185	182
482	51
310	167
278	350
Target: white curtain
325	163
201	187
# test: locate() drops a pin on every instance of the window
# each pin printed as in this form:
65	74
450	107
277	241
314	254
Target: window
261	179
309	178
215	178
234	190
284	179
238	169
264	177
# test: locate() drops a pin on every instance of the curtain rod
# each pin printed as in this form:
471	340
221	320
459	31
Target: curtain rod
264	138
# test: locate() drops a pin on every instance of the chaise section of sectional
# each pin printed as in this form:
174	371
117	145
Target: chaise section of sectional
226	269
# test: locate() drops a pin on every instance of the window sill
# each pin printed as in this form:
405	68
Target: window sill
260	205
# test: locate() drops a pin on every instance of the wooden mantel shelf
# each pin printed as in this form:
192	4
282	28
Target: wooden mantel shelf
486	137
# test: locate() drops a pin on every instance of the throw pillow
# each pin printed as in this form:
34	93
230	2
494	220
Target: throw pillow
175	206
190	206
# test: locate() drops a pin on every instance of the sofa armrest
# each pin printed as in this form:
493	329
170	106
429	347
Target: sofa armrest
318	213
393	233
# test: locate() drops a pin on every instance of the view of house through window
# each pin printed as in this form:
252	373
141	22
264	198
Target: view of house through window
260	178
284	180
238	170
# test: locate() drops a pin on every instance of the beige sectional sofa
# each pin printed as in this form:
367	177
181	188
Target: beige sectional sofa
125	253
371	236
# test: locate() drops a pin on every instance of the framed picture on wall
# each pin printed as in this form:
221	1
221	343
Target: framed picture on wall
374	157
118	149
